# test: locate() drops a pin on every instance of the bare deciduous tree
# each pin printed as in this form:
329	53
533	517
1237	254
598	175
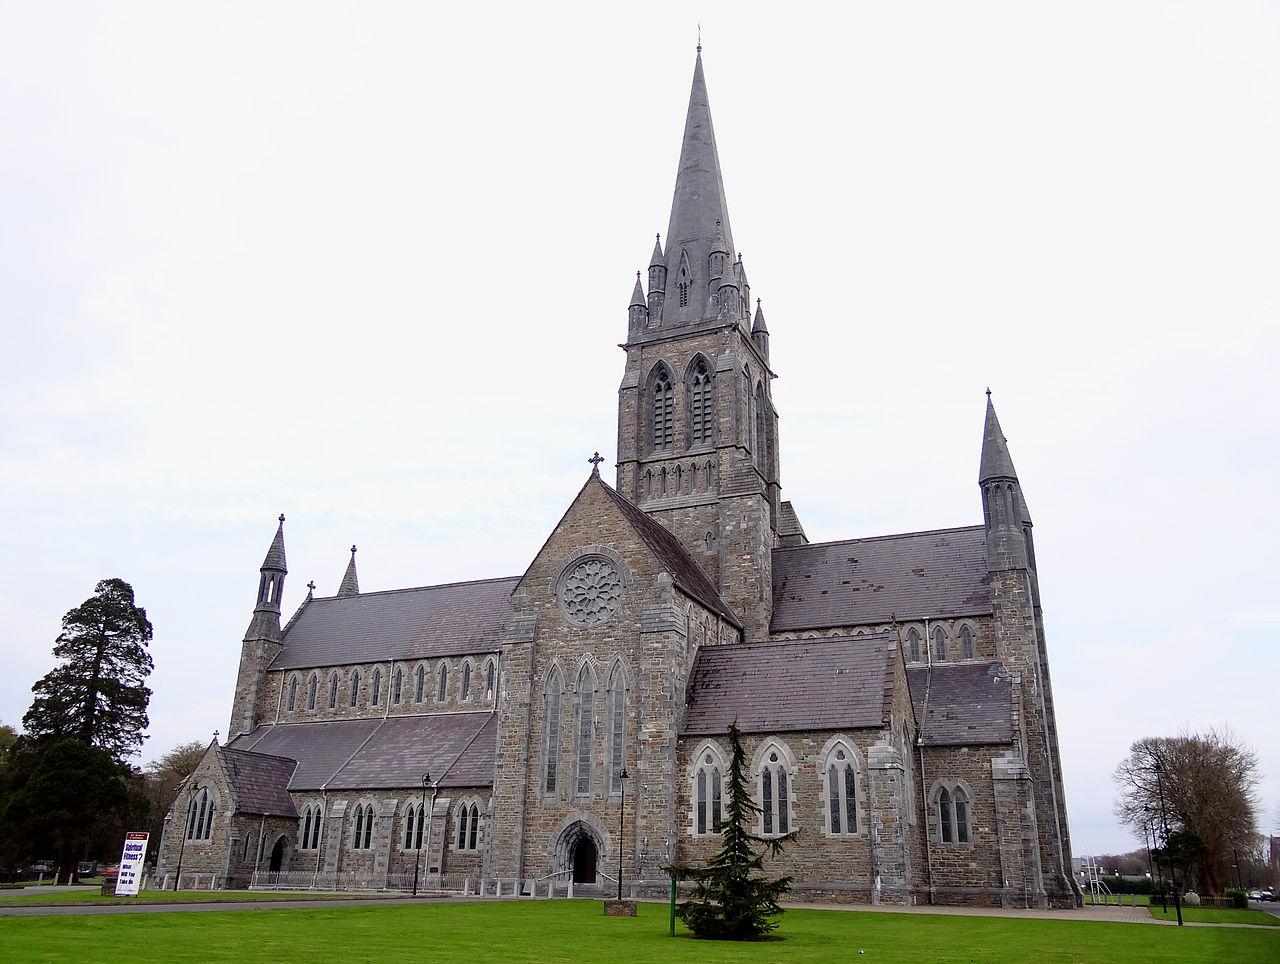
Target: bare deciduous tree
1208	780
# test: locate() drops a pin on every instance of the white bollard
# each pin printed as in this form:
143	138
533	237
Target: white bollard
482	883
466	887
570	893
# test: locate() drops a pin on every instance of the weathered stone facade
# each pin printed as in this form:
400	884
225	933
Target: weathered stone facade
893	691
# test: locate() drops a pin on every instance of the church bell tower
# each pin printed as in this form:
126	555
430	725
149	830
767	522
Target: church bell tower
697	430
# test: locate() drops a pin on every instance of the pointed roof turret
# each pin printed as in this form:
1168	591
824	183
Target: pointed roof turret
658	260
275	555
758	324
996	462
350	584
637	294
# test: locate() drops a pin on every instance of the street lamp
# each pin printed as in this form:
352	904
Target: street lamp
186	827
422	815
622	815
1164	825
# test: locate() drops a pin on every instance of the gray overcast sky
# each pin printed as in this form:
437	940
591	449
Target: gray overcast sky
367	265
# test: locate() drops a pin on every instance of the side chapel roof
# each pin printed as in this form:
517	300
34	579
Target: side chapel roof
962	703
937	574
797	684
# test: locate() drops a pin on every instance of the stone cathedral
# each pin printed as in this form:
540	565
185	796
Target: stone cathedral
893	690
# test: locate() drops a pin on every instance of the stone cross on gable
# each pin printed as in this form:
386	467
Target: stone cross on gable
595	461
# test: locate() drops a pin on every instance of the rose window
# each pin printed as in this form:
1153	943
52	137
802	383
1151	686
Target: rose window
590	591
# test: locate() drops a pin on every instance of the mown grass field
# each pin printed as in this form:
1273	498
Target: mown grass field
576	931
1218	915
33	896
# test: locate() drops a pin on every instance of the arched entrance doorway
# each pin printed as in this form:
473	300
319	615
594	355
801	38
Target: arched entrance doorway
585	860
578	853
279	854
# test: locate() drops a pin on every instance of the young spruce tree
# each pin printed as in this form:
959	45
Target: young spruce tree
98	693
732	899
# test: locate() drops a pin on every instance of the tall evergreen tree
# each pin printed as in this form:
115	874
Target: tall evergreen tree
732	899
98	693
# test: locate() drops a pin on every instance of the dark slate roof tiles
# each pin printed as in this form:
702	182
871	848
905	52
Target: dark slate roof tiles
457	749
967	703
260	782
428	622
914	575
800	684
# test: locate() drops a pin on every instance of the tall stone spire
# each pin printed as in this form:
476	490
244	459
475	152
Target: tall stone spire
699	212
996	463
1004	509
271	581
350	584
261	639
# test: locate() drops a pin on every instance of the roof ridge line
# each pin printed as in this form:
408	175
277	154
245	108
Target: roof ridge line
441	585
890	535
270	756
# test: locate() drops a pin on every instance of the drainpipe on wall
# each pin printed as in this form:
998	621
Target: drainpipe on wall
262	832
324	817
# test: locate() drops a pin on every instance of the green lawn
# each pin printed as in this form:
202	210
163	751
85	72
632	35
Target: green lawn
11	897
536	931
1218	915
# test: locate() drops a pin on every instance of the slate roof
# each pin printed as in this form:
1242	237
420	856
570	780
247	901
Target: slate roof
394	752
431	621
936	574
797	684
967	703
260	782
685	572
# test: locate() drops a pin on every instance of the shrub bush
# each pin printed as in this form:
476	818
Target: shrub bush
1237	898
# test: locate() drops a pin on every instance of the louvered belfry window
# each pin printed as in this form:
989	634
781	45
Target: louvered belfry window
701	431
663	410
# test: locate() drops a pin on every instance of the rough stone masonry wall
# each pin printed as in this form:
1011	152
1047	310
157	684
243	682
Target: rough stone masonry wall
647	636
1018	647
827	867
964	873
252	703
983	628
204	857
477	700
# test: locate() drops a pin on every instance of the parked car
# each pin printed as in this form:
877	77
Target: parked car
1267	895
1255	895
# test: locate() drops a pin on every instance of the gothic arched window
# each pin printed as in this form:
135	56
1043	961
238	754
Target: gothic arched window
966	642
701	405
333	691
293	692
442	691
551	732
355	687
464	820
708	790
475	827
662	401
466	679
842	791
313	686
490	678
913	645
357	830
584	732
952	803
376	686
939	644
200	823
774	799
397	681
415	815
420	683
762	430
617	727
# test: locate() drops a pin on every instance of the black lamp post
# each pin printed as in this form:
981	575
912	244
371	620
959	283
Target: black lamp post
1164	826
622	814
186	827
422	816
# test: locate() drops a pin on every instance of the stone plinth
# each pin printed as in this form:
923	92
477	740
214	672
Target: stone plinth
619	908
